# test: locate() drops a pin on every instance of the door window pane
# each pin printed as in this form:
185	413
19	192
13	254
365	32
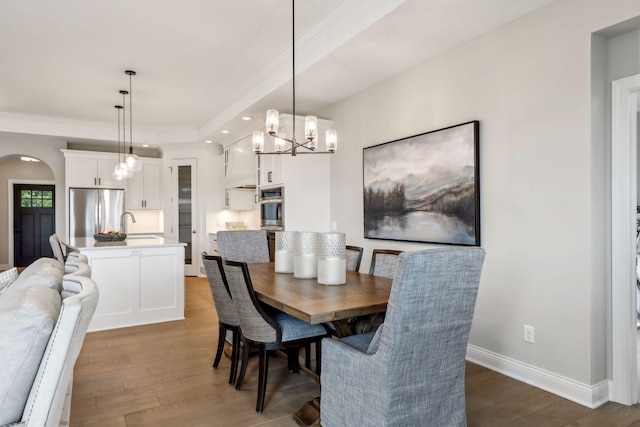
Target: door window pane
36	199
184	211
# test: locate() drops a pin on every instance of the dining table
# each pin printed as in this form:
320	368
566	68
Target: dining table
308	300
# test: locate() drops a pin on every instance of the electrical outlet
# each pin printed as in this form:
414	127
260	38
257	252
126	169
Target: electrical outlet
528	333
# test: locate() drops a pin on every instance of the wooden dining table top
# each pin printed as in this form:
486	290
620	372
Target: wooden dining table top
314	303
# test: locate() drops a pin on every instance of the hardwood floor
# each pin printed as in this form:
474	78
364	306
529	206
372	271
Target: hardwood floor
161	375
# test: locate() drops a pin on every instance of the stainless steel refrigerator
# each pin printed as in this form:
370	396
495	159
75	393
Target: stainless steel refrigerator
94	210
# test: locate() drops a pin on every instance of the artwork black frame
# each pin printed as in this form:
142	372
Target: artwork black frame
424	188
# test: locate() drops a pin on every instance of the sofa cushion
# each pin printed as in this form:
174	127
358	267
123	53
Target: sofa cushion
42	272
7	278
28	314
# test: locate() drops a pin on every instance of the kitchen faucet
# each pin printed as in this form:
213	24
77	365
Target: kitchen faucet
123	223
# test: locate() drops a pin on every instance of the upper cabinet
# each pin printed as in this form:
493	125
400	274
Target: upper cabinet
143	188
91	170
271	166
240	164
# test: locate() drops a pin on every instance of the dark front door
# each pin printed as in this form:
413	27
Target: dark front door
34	221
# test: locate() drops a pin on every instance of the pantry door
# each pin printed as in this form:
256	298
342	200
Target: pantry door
184	217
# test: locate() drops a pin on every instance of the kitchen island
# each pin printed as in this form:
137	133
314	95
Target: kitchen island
141	280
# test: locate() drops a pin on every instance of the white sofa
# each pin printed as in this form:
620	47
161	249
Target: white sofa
44	317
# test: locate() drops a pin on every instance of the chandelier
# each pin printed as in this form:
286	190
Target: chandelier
310	122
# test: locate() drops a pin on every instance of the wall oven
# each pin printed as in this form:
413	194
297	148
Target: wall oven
272	209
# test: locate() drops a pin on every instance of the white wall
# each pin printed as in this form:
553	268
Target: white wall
543	179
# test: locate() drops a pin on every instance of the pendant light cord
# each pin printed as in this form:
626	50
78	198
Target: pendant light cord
124	121
293	67
130	117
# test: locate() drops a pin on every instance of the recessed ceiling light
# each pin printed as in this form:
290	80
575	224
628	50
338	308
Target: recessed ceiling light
28	159
145	145
246	118
225	131
208	141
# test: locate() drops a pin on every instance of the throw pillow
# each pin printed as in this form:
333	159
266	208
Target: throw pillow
7	278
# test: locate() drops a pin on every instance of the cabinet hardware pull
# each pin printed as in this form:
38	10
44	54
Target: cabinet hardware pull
269	176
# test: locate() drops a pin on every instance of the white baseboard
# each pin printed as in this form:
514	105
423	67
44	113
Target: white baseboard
586	395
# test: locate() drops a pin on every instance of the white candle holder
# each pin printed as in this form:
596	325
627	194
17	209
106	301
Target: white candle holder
332	259
305	255
284	251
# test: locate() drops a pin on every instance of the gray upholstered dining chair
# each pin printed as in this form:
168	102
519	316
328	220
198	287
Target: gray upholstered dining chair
266	329
243	245
354	257
227	314
412	371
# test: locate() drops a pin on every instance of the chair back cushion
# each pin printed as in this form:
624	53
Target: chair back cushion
219	290
256	325
354	257
243	245
384	263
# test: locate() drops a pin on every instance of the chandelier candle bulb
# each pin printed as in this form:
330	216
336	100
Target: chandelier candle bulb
258	141
279	144
284	251
331	140
332	259
272	121
305	255
310	127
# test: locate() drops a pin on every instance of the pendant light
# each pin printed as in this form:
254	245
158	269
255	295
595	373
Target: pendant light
132	161
120	170
310	122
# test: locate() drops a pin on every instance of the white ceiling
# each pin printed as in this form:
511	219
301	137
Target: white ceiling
202	64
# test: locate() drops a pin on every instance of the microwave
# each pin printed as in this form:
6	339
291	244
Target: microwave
272	209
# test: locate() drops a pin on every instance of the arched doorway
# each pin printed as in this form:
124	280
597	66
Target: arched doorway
30	230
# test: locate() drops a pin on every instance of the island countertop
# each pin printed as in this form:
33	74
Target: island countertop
132	241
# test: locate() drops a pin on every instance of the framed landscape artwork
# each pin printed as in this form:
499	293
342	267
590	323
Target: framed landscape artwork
424	188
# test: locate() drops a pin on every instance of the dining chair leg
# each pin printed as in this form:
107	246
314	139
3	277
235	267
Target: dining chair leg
222	333
292	359
318	356
235	350
262	381
307	355
243	368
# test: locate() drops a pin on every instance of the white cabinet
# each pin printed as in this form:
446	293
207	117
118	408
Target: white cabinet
240	164
91	171
239	199
137	285
271	166
143	188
